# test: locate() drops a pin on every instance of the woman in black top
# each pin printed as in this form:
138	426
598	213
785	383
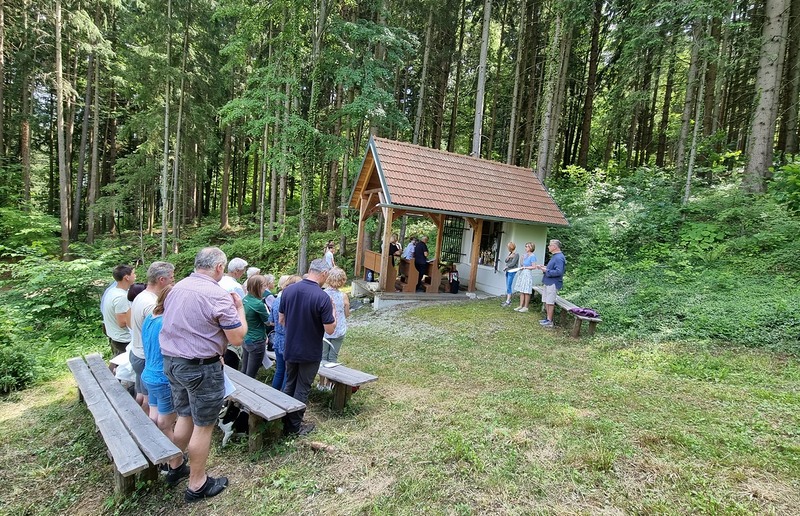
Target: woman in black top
394	248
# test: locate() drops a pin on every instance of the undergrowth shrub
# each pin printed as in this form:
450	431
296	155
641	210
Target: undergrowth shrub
17	364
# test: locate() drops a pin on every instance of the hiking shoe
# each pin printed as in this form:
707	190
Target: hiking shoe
548	324
544	321
507	303
176	475
306	428
523	309
212	487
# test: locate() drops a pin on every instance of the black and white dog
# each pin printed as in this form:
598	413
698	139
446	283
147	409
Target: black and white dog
232	421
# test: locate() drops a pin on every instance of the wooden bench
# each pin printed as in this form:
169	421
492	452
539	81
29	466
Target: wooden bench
134	442
344	379
566	306
265	406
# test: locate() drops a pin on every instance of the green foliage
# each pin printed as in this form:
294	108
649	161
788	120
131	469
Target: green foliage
786	185
723	268
28	232
45	290
17	363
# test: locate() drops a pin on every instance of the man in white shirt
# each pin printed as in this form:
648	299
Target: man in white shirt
408	253
230	281
159	275
116	317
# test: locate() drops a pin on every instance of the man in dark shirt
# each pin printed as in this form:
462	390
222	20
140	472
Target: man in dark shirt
307	314
421	260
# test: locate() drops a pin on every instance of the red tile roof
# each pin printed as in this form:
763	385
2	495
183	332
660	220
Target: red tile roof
433	180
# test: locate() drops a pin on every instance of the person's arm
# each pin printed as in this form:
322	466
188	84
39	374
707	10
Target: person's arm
124	319
282	319
236	335
346	305
328	306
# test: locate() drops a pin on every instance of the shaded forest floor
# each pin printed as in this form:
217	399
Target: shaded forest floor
478	410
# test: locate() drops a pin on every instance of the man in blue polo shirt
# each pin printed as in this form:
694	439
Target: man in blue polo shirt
553	280
307	314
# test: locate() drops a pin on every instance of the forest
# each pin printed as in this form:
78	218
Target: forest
155	116
666	131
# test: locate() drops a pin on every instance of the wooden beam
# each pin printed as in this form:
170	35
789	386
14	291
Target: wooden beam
360	238
477	227
387	234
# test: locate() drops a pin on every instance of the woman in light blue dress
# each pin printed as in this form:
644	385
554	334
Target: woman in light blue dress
524	281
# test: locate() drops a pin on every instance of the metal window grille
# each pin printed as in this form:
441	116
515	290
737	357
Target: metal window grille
452	236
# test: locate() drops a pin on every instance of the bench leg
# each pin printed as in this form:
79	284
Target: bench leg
592	327
123	486
341	393
576	328
255	436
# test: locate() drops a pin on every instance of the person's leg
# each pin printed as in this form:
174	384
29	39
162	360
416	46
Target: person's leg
291	425
335	347
326	349
245	358
526	299
256	358
280	371
550	310
509	287
305	374
183	432
199	446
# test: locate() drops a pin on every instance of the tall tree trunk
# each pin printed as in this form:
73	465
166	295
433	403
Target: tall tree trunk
451	135
226	180
176	219
477	128
165	166
423	79
591	85
496	83
87	99
2	79
334	170
693	152
556	79
768	82
788	136
688	103
711	77
661	151
512	124
263	185
94	180
63	178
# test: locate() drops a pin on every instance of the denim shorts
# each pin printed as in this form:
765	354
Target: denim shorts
137	364
160	395
197	390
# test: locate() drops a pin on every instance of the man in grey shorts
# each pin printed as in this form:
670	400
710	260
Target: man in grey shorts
200	318
553	280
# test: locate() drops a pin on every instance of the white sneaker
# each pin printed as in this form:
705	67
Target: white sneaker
523	309
517	309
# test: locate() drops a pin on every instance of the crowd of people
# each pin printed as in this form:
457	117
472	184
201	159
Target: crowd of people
178	336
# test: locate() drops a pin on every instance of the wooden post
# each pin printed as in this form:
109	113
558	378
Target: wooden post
123	485
576	328
477	227
592	327
255	427
387	234
362	209
341	393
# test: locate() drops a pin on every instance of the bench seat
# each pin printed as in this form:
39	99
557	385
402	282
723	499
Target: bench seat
134	442
566	306
343	379
264	404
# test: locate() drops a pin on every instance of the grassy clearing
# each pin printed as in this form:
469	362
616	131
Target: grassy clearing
477	411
